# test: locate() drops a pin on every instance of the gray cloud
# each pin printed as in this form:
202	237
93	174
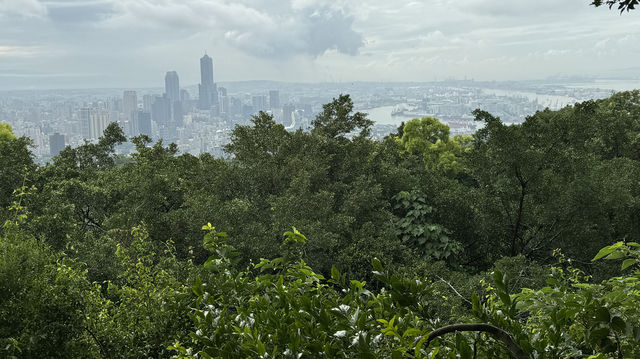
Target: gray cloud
134	42
281	30
26	8
79	12
332	30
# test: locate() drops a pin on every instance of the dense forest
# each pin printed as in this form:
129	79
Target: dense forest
520	241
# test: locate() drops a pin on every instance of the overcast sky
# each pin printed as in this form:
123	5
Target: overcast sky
132	43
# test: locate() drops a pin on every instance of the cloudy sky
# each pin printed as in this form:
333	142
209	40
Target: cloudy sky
132	43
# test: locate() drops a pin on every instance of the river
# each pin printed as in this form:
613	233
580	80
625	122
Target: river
382	115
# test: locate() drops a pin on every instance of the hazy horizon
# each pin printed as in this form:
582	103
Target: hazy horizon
83	44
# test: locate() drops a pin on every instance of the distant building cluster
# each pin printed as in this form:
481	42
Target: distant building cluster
203	124
197	125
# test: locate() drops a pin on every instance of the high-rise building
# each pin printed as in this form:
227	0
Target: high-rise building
129	105
208	94
161	110
142	123
206	70
83	115
95	120
56	144
259	103
274	99
177	113
172	86
147	101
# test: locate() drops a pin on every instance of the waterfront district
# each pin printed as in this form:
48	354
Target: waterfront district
200	118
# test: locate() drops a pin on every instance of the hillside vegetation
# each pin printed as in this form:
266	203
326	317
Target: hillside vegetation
520	241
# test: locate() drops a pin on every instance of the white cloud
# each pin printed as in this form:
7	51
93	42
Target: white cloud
17	51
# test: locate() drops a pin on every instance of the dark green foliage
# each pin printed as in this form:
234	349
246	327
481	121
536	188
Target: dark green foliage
79	282
562	179
41	306
622	4
336	119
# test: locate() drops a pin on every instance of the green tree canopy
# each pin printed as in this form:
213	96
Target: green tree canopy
336	119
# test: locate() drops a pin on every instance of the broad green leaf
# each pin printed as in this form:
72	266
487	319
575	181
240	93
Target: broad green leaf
615	255
607	250
628	263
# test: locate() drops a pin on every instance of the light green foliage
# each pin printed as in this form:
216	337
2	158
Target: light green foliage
282	308
6	133
430	138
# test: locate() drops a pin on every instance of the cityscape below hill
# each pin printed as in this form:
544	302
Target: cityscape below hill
56	118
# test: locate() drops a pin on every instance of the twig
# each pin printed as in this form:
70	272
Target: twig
454	290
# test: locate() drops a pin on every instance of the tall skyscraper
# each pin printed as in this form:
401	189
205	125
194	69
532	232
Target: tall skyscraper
56	144
274	99
172	86
206	70
208	94
129	105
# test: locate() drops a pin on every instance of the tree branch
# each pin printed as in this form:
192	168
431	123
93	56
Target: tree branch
514	349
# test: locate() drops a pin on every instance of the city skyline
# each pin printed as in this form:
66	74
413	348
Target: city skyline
51	44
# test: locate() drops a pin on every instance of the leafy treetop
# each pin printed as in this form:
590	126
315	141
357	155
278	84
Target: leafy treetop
336	119
622	4
5	132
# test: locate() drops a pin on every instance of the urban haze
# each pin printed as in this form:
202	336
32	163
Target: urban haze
189	71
